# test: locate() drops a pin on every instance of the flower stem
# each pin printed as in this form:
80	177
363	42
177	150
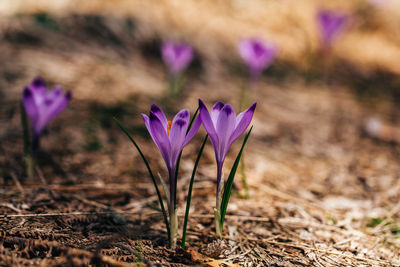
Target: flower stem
28	149
173	227
173	217
242	104
217	209
218	229
172	85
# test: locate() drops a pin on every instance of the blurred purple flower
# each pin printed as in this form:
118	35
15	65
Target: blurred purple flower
331	24
177	56
170	138
224	127
42	105
257	55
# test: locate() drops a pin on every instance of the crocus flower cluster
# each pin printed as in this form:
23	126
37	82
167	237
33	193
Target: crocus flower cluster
177	56
42	105
257	55
331	25
223	127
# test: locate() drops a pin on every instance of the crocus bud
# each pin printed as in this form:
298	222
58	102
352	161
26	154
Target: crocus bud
257	55
42	105
331	25
177	56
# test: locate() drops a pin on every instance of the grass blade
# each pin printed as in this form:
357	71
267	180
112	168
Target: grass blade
189	197
228	186
192	120
151	175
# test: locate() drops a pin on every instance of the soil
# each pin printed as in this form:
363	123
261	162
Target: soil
324	186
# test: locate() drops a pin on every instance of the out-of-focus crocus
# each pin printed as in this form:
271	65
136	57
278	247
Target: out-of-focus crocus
223	128
42	105
257	55
170	138
331	25
176	56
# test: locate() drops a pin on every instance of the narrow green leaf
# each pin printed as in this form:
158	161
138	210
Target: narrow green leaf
151	175
189	197
28	151
176	177
165	188
25	128
229	182
192	120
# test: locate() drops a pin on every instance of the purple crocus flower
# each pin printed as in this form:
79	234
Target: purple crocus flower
331	24
224	127
177	56
42	105
170	138
257	55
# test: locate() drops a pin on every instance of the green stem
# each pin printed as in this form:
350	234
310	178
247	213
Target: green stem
174	228
28	151
242	103
172	86
217	210
176	84
218	228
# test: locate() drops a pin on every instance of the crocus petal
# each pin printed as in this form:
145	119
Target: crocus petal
175	131
160	114
29	105
195	127
257	54
225	126
208	124
182	115
60	102
331	25
147	124
177	137
38	85
215	112
242	122
160	137
54	94
65	100
245	50
53	104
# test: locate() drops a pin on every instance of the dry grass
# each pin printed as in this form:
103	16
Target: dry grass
214	27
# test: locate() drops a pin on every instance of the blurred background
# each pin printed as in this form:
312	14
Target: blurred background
326	128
